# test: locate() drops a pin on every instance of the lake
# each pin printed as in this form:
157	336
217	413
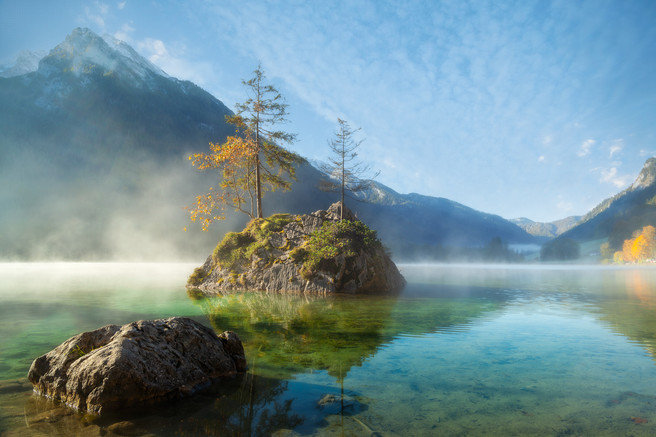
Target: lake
463	350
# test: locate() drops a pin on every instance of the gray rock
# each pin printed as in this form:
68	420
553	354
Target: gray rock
340	404
118	367
273	268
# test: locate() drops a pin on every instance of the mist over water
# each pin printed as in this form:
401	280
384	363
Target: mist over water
132	211
131	207
43	279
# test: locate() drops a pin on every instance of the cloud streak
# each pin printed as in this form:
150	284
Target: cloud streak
616	147
174	61
467	86
456	99
611	176
585	148
96	14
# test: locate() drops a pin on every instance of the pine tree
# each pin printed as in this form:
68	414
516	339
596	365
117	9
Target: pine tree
259	114
347	173
252	161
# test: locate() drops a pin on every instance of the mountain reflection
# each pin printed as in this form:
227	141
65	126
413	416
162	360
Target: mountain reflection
630	307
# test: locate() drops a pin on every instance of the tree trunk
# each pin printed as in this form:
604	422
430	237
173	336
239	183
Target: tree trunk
258	187
341	210
258	181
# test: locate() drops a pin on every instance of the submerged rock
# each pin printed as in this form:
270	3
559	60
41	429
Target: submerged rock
313	253
118	367
340	404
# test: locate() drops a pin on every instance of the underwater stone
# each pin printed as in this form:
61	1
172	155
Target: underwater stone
340	404
118	367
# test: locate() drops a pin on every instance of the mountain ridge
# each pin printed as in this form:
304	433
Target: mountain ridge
618	217
27	61
547	229
645	179
96	141
94	154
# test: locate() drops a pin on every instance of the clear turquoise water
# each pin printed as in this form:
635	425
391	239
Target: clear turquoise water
464	350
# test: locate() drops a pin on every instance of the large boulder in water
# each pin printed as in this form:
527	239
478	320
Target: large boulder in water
117	367
314	253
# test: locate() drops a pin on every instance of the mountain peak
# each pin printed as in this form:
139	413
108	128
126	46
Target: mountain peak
26	62
647	175
84	52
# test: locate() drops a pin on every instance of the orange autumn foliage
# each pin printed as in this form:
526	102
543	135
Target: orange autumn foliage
250	162
235	159
640	248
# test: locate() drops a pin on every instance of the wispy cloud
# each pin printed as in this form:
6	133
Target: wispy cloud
585	148
96	14
125	33
611	176
417	67
174	61
466	85
616	147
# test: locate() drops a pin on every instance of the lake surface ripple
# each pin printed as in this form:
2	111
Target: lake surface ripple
463	350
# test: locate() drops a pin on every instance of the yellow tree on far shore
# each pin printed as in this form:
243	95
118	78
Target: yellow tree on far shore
640	248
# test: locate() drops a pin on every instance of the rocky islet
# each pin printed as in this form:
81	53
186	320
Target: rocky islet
271	254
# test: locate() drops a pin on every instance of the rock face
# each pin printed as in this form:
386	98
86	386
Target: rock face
118	367
276	254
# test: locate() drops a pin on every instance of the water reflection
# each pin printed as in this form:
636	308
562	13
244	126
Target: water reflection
640	285
246	405
462	350
288	334
630	308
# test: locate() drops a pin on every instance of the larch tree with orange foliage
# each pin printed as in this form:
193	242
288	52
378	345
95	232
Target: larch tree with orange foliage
250	162
235	159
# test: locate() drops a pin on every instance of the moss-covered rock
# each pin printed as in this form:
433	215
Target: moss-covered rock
315	253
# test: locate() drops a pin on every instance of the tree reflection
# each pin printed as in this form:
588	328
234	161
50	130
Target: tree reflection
289	333
630	306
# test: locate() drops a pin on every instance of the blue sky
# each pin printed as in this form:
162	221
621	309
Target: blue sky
519	108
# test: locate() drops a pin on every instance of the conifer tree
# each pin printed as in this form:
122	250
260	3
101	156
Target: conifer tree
346	172
260	114
250	162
